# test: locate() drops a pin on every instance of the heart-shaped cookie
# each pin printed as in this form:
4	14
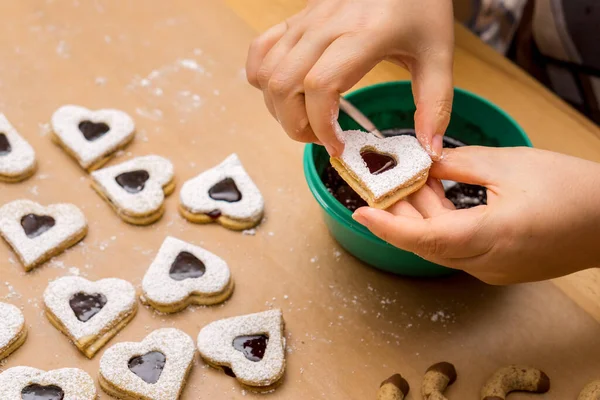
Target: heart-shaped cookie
26	383
154	369
183	274
382	171
136	189
37	233
225	194
90	313
17	158
251	348
12	329
91	137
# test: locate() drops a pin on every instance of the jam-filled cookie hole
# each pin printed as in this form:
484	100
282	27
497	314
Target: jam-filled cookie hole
93	130
252	346
149	366
39	392
186	266
5	147
85	305
133	181
35	225
377	162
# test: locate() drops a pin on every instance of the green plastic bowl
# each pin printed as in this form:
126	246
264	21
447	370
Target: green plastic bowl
474	121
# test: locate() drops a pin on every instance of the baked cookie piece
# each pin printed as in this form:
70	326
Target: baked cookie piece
250	348
184	274
91	137
17	158
225	194
382	171
515	378
26	383
89	313
37	233
154	369
136	189
12	329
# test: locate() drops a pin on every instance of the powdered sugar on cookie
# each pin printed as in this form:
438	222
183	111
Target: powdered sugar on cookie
149	196
212	277
215	345
90	135
178	350
72	383
411	159
17	157
119	302
68	226
12	325
196	199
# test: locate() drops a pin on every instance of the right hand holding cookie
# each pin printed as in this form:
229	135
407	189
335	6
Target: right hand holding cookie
542	219
303	64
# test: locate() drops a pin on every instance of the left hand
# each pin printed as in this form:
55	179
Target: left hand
542	219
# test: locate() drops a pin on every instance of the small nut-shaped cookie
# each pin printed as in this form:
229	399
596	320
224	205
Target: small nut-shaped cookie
515	378
437	378
591	391
393	388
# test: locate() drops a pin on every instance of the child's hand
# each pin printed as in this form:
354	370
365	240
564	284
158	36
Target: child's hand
542	219
303	64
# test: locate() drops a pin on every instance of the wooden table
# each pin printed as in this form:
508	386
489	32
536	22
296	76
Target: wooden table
177	67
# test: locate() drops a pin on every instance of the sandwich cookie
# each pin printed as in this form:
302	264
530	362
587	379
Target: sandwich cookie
17	158
13	331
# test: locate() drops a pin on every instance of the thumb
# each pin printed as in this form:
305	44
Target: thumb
453	235
433	94
475	165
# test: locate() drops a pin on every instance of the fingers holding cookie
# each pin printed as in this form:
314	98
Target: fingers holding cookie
515	378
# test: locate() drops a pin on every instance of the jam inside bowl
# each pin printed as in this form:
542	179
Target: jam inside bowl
475	121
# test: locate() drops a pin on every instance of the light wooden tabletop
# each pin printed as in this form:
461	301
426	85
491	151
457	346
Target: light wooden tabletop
177	68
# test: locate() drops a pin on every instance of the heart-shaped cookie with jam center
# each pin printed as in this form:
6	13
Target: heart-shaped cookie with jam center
37	233
91	137
17	158
26	383
154	369
250	348
184	274
90	313
12	329
225	194
382	171
136	189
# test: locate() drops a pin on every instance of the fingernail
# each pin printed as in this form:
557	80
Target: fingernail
437	143
359	217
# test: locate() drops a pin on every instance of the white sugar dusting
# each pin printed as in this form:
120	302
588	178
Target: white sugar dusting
145	201
120	296
412	161
178	349
11	326
160	288
75	383
69	222
215	344
195	198
21	157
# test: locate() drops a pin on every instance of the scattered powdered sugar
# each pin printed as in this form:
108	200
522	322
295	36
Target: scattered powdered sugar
160	288
21	157
69	223
412	161
65	125
44	129
146	201
75	383
195	198
215	345
12	325
120	296
74	271
100	80
154	114
249	232
63	49
177	347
